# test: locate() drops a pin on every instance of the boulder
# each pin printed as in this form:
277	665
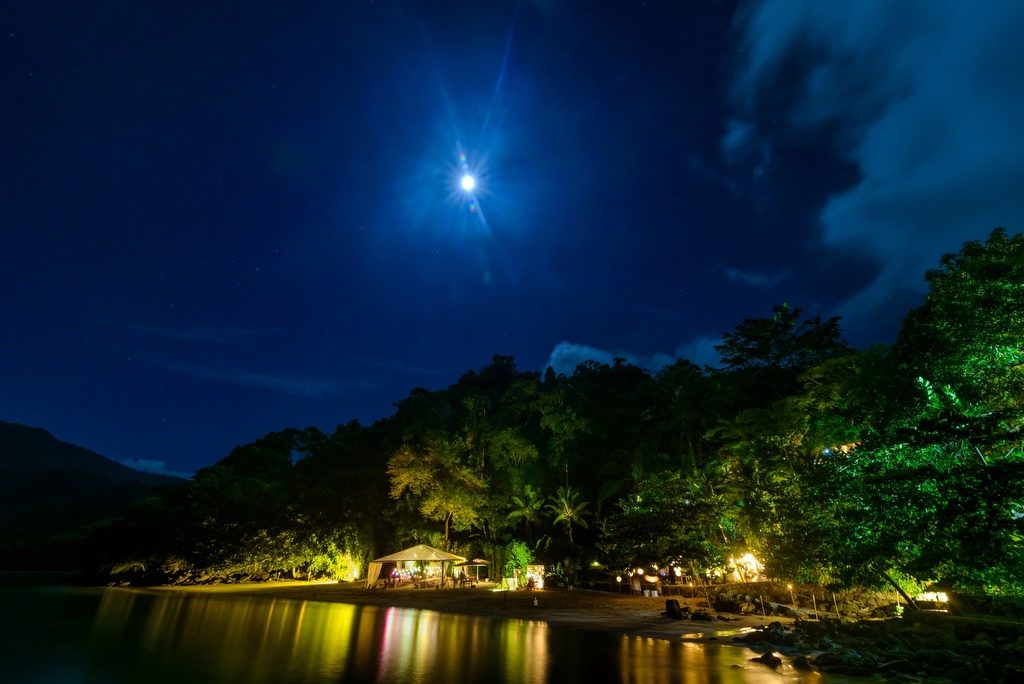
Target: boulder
769	659
801	663
673	610
727	604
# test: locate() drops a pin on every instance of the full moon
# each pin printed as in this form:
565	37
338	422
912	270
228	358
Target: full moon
468	182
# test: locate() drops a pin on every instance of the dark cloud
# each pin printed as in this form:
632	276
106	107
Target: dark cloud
925	98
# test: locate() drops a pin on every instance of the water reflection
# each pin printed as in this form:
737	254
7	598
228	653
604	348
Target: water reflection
121	635
272	640
657	661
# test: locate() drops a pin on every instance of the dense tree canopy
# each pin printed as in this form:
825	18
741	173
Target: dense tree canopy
831	464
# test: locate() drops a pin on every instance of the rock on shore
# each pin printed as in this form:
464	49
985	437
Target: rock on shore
897	649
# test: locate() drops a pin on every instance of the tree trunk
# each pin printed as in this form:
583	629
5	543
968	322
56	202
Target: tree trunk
899	589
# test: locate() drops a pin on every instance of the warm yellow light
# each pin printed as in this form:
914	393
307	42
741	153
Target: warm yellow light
678	570
937	596
790	587
639	571
618	578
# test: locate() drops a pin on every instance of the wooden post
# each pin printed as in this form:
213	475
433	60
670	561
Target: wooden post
835	605
763	611
814	602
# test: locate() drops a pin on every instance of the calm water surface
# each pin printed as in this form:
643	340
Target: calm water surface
123	635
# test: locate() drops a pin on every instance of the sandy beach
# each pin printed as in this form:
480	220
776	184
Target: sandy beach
576	609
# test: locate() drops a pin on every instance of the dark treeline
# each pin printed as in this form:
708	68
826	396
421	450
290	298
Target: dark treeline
831	464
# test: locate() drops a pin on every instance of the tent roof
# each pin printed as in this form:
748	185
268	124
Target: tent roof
420	552
470	563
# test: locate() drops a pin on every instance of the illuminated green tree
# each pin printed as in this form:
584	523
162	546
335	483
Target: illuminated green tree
685	408
517	559
795	521
938	492
527	506
440	480
969	335
562	422
781	340
568	510
668	517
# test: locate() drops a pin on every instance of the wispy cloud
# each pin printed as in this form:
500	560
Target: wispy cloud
740	142
567	355
696	165
738	136
146	465
295	385
923	96
701	350
762	280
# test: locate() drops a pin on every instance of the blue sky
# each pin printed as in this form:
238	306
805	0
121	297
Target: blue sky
218	222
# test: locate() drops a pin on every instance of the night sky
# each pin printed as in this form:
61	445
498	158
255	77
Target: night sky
224	219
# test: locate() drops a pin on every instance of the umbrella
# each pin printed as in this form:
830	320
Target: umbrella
475	563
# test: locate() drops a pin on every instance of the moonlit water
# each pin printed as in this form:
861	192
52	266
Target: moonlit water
122	635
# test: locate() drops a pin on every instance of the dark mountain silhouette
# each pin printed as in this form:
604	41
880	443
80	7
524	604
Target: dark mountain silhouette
53	494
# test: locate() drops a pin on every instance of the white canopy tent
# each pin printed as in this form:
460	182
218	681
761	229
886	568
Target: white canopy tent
420	552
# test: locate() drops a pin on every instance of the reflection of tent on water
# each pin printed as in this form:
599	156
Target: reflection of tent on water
420	552
475	563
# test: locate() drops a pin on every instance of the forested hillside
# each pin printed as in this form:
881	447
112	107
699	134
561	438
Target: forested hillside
55	493
831	464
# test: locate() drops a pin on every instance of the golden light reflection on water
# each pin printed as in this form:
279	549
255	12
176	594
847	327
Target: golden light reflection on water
273	640
193	638
418	644
643	660
243	639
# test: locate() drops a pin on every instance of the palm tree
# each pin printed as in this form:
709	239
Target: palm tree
527	507
568	509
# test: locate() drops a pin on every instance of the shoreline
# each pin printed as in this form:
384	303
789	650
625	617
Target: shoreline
582	609
928	645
